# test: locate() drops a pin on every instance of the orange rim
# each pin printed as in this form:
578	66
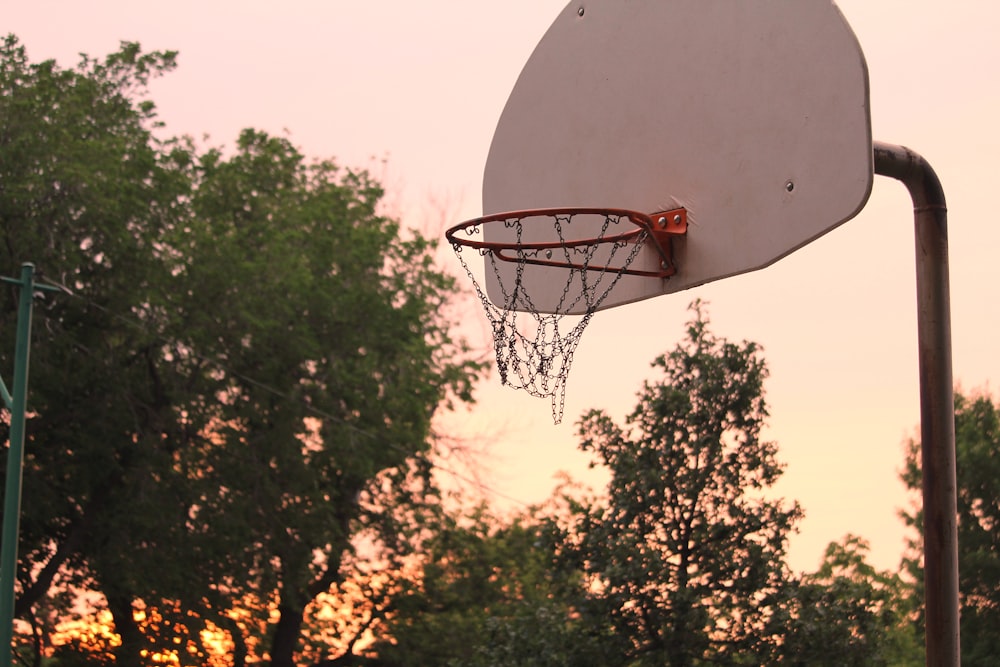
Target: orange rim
657	228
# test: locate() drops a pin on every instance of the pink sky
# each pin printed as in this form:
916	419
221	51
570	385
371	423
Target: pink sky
414	90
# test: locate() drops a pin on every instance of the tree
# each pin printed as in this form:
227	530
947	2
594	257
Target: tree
682	562
85	192
252	354
685	558
487	593
342	359
848	613
977	445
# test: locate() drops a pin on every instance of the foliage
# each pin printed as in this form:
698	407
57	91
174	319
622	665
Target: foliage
682	562
848	613
487	593
85	190
977	444
686	557
252	356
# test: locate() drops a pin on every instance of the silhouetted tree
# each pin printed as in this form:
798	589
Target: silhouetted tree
685	557
977	444
252	353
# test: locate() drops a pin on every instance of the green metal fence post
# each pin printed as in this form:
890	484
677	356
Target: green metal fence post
15	457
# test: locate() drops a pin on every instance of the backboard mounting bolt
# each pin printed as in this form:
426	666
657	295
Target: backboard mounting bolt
663	221
580	11
677	219
789	186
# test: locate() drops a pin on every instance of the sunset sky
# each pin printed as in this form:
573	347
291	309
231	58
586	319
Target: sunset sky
413	92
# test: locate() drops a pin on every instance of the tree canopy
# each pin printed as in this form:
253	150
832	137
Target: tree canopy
486	593
680	561
848	613
250	349
977	451
232	425
687	553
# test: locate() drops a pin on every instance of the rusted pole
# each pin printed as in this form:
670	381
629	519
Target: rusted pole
937	405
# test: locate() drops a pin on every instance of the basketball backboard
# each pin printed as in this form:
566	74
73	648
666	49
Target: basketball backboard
752	115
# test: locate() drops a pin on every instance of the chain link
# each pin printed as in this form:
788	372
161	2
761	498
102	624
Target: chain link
533	353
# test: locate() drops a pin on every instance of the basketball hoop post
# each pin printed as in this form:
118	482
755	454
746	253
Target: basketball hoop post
569	135
937	404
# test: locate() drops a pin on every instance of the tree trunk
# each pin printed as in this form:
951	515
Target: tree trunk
286	635
129	653
239	656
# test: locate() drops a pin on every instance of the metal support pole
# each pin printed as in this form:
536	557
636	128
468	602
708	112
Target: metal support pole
15	460
937	403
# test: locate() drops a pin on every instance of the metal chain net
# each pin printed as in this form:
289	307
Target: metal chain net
534	350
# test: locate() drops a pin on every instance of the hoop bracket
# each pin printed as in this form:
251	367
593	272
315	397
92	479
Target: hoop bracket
666	225
669	223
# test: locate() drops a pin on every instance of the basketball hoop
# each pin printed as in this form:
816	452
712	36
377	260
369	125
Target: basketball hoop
595	246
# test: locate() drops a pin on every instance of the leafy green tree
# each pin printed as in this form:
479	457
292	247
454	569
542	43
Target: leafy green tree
848	613
86	189
488	593
977	444
341	359
685	559
252	356
682	562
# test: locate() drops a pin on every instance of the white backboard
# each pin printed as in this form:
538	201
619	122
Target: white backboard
751	114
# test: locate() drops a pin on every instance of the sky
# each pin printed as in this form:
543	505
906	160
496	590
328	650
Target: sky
413	91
